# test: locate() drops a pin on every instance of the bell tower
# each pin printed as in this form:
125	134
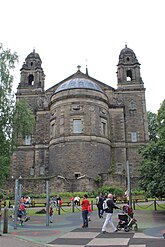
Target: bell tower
32	75
128	72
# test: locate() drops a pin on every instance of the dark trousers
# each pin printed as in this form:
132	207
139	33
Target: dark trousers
100	212
85	218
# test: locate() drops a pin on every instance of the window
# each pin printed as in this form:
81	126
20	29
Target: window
119	168
134	136
42	170
53	130
77	126
32	171
31	80
104	127
27	140
77	175
130	168
129	75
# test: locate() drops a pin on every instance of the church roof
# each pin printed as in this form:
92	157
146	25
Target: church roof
34	55
125	55
79	80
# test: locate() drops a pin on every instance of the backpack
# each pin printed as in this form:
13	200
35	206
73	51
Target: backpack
105	206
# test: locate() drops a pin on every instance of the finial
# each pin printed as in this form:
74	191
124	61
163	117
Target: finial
78	67
86	67
33	50
125	45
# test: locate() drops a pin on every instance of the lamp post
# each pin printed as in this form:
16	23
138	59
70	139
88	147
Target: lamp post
16	204
20	187
47	202
129	183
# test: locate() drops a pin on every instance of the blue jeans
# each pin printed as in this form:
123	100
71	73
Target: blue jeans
100	212
85	218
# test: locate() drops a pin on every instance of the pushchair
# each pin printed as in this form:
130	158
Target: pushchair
126	220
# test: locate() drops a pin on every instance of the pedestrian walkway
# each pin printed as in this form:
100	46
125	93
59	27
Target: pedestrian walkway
66	231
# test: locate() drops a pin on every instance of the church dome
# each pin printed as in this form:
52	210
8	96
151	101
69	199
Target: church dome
33	55
127	51
127	56
75	83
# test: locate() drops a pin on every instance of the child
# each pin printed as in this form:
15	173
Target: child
51	214
89	212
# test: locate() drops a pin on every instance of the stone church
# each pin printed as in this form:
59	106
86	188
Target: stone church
85	130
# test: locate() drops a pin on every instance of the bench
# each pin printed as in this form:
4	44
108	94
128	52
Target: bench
2	203
39	202
139	198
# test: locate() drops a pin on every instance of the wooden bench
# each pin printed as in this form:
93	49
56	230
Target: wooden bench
139	198
38	202
2	203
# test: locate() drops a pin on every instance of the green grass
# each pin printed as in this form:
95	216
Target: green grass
149	207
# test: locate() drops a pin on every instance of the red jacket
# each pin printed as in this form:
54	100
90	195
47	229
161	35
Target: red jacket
85	204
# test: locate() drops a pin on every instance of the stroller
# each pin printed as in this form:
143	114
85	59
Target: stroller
126	220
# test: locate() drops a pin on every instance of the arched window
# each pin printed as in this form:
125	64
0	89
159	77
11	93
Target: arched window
129	75
31	80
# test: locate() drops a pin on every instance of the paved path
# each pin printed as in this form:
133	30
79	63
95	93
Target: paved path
66	231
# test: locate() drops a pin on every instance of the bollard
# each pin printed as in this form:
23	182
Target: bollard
72	207
92	205
5	224
155	204
0	222
59	206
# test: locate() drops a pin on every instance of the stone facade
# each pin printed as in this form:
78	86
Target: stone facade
85	130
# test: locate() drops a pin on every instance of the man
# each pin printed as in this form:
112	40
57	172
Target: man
99	203
109	212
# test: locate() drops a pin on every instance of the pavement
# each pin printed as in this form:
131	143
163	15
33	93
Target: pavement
66	231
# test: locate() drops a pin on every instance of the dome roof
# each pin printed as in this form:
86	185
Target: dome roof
127	56
127	51
78	83
33	55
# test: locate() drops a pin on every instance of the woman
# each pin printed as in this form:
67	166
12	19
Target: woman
85	204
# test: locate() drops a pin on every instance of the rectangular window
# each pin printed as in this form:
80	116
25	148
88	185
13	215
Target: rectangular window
77	126
104	127
119	168
27	140
130	168
134	136
42	170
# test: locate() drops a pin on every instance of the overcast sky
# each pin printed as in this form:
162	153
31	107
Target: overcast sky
66	33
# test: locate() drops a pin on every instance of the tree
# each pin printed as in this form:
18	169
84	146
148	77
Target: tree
7	64
152	125
17	117
152	165
23	120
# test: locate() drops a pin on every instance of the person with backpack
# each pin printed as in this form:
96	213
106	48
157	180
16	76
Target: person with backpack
99	203
108	206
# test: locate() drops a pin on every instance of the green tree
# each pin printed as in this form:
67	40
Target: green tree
17	117
7	64
152	125
152	165
23	120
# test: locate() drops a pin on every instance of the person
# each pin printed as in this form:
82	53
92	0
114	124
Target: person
28	201
21	213
85	204
51	214
99	203
89	212
77	200
109	212
59	201
72	201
